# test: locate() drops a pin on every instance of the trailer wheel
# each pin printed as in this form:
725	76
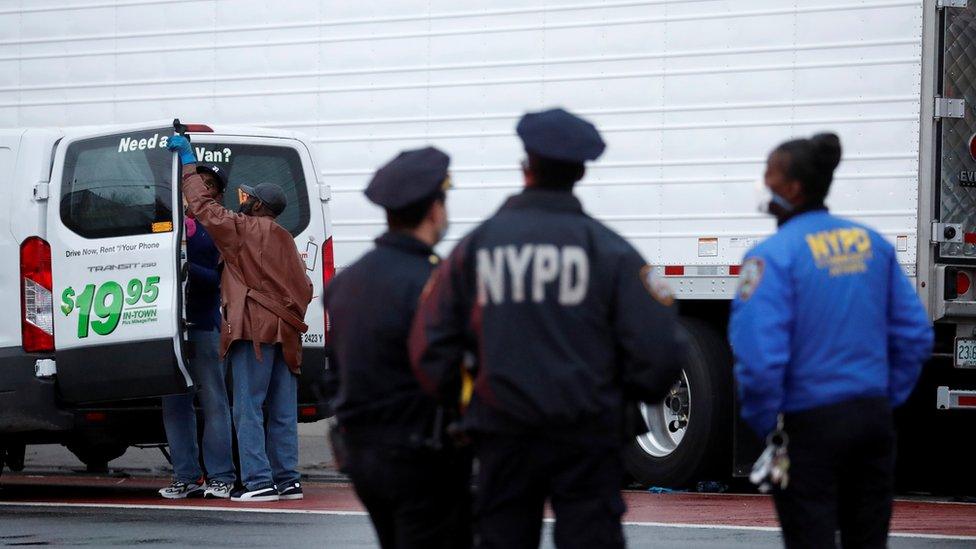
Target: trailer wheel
690	432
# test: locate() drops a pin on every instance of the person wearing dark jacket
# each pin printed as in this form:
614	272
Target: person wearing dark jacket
413	482
264	294
565	325
208	372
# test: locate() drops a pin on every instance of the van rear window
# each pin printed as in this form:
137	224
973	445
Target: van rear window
254	164
117	185
121	185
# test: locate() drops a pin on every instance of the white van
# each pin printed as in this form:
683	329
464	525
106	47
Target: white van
91	313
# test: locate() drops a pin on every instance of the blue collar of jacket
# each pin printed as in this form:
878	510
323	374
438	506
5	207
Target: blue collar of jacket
404	242
544	199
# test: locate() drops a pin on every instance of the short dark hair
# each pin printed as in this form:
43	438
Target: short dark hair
405	219
812	162
555	174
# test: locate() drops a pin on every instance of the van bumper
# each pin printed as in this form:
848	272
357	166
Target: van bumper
28	403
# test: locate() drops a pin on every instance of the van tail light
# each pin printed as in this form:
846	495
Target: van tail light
198	128
36	299
328	271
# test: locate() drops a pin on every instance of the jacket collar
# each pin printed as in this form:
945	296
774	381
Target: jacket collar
404	242
543	199
803	211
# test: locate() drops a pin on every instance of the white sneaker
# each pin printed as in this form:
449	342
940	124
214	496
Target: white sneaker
265	493
291	491
180	490
218	489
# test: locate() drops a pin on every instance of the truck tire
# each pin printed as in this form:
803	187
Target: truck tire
675	453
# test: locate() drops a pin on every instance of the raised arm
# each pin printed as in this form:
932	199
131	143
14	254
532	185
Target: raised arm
221	223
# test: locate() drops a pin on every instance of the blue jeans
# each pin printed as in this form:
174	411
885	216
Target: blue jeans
180	419
268	455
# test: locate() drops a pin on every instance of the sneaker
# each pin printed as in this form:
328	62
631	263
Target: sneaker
180	490
218	489
264	493
292	491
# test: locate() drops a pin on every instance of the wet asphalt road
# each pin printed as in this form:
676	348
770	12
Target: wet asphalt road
103	527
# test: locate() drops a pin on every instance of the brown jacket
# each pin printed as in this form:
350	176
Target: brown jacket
264	290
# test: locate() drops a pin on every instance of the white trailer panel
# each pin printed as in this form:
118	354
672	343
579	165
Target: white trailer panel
689	94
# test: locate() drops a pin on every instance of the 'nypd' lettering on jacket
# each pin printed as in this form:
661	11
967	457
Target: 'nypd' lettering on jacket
566	267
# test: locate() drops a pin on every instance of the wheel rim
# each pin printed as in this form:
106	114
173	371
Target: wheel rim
667	421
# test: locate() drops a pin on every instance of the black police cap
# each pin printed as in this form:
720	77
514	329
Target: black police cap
219	174
270	194
560	135
411	177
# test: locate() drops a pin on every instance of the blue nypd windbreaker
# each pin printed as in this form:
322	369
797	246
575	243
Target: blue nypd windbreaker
824	314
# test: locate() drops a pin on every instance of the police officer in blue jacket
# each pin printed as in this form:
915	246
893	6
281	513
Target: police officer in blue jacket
413	482
826	330
558	315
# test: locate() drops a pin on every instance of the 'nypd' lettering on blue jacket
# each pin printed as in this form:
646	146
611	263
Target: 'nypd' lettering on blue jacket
841	251
566	267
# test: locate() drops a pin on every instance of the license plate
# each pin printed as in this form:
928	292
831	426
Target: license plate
965	356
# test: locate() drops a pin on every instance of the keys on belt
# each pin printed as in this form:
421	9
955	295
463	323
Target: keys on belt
772	469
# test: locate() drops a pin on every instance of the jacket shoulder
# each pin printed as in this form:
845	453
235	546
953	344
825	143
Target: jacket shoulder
608	240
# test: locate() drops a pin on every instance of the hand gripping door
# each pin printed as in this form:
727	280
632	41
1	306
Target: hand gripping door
114	225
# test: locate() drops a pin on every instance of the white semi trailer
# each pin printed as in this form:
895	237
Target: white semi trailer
689	94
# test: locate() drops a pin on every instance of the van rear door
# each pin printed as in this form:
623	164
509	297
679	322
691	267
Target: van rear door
114	231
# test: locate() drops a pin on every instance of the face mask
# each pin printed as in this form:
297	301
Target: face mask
766	199
442	231
442	227
247	208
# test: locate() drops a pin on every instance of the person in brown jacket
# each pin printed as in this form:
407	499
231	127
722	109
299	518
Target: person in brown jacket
264	295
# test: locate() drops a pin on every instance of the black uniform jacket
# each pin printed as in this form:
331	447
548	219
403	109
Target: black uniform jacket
556	309
370	305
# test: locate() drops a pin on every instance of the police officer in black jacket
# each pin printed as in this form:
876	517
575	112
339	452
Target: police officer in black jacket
414	484
565	326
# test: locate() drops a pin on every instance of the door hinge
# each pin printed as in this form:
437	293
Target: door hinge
325	193
942	4
946	107
41	191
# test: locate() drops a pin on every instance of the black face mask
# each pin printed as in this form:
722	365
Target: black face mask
247	208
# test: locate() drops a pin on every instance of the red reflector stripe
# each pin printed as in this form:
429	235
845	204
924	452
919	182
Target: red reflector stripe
734	270
674	270
970	238
95	416
307	411
967	401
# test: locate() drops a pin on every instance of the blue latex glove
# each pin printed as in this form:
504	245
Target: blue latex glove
181	146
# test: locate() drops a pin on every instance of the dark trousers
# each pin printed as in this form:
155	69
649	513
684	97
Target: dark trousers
517	474
415	498
842	461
